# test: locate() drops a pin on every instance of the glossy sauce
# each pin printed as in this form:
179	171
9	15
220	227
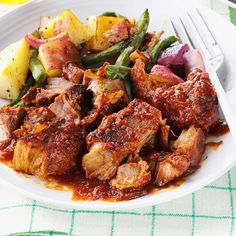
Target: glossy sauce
219	129
214	145
93	189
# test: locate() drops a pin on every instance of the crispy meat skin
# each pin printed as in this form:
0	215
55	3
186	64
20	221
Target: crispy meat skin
10	119
193	102
52	151
73	73
132	175
119	135
187	153
36	117
109	96
68	104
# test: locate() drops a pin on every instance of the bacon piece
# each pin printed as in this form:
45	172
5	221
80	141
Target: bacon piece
73	73
121	30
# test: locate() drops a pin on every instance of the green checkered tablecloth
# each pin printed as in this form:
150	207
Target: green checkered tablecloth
209	211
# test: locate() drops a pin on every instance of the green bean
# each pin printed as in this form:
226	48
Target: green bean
117	72
37	69
112	13
34	52
142	25
30	82
159	47
110	52
14	102
21	104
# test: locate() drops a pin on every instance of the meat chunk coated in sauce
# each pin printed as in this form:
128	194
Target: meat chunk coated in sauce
36	119
45	96
186	153
11	119
69	104
119	135
52	151
108	96
193	102
132	175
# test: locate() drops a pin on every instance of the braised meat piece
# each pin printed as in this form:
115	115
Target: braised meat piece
7	148
132	175
119	135
121	30
36	119
187	153
171	167
109	96
191	141
44	97
73	73
193	102
30	97
11	119
68	104
164	136
58	84
52	151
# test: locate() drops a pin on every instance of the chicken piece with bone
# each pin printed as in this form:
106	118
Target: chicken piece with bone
118	136
193	102
52	151
187	153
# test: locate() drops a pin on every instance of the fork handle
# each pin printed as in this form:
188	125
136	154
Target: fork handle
226	108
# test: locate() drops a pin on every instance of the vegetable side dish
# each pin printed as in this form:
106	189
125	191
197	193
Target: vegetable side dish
109	109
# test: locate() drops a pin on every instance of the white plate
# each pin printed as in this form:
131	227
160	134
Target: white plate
25	19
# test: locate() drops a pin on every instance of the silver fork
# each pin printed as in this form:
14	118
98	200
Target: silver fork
192	28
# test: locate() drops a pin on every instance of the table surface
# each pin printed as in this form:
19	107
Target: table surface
209	211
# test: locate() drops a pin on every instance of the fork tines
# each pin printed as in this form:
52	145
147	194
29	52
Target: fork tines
192	28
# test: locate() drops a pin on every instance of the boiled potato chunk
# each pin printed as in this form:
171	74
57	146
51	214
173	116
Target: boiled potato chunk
69	23
14	64
98	25
56	53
